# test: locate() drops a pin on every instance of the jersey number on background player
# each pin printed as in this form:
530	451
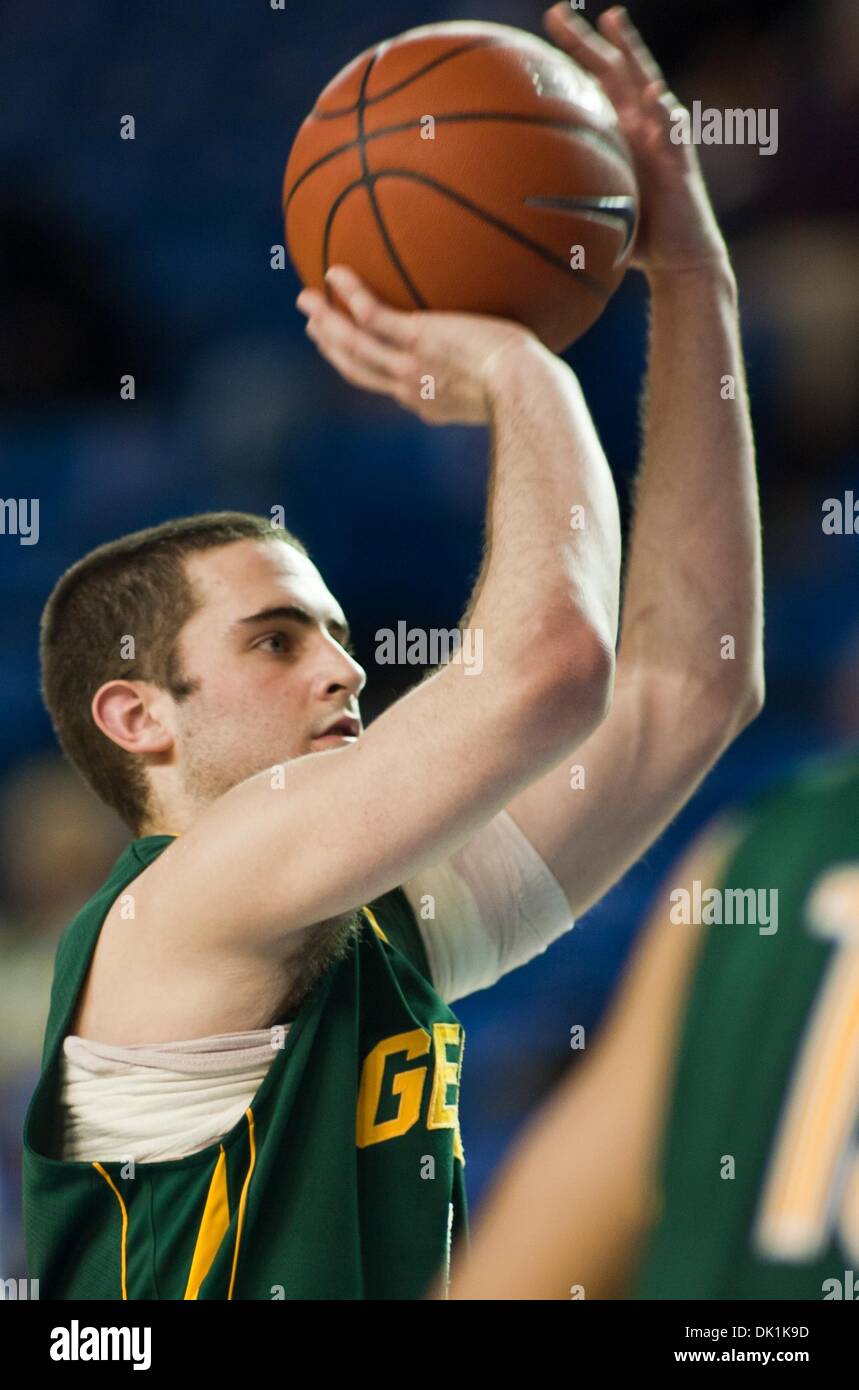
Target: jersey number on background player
813	1181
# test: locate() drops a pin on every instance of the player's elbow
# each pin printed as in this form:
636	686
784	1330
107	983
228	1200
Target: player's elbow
741	702
576	681
591	676
753	700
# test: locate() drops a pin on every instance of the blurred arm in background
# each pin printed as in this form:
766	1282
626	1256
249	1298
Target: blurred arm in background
576	1199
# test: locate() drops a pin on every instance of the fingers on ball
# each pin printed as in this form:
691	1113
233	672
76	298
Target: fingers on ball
361	360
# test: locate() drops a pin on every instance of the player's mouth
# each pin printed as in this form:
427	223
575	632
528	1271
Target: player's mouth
338	733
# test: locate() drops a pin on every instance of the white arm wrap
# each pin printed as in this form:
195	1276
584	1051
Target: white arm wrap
495	906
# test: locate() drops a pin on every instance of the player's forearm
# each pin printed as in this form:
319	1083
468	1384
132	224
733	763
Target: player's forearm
543	578
693	600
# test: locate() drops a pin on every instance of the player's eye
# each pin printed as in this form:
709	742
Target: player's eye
276	642
279	643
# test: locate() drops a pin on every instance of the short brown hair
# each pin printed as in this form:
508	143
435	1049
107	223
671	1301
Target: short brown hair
137	586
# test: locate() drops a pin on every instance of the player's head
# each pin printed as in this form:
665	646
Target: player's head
172	669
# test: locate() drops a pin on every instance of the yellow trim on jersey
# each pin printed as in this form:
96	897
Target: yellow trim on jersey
214	1224
244	1197
123	1239
375	925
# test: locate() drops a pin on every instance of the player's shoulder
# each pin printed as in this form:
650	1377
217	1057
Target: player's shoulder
132	861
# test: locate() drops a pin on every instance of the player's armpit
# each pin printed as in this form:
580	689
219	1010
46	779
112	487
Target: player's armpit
573	1204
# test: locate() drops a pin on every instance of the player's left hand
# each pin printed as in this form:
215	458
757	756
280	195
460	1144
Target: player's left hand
436	364
678	229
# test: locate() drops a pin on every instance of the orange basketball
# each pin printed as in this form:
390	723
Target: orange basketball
466	166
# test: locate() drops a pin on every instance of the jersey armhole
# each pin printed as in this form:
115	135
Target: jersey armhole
397	920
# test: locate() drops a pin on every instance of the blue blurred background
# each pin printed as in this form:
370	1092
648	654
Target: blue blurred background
152	257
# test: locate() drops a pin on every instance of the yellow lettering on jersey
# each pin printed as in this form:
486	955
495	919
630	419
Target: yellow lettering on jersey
444	1113
408	1085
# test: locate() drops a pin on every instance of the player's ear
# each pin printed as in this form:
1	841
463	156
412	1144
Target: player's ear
130	716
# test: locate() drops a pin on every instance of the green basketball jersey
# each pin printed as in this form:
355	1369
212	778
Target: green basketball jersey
760	1169
343	1179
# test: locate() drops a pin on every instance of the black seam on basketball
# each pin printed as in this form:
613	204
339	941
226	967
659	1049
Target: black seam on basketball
588	281
377	212
326	233
613	209
404	82
357	183
603	141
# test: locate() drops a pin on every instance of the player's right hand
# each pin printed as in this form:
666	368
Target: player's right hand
677	231
435	364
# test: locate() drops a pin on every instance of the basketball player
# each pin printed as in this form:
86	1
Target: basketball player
251	1068
707	1147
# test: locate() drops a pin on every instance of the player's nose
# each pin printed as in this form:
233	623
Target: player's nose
337	667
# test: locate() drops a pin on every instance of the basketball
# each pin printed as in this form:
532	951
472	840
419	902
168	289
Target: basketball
466	166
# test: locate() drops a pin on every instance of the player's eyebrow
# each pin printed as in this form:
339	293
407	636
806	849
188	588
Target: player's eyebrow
339	630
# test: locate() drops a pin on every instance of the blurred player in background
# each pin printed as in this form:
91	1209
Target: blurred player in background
707	1146
166	1154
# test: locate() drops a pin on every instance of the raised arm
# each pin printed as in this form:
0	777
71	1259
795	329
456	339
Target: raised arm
690	664
341	827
